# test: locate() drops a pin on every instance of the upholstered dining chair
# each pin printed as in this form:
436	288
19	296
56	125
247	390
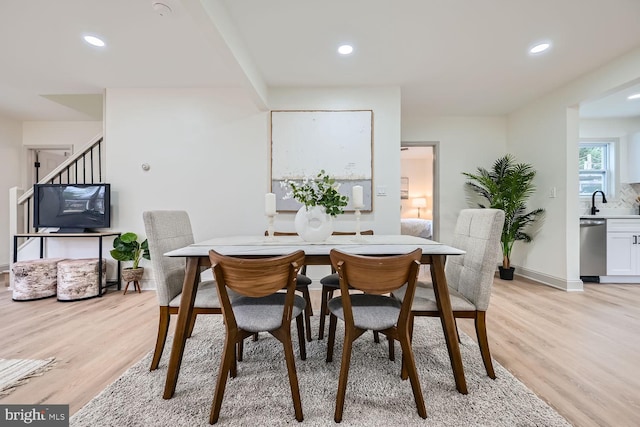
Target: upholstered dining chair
260	306
469	276
168	230
374	276
330	283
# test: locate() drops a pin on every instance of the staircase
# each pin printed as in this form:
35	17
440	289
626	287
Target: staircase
83	167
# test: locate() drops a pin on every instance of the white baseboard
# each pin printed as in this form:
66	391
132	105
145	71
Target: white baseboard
546	279
620	279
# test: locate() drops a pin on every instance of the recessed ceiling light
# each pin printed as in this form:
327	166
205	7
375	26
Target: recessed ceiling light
539	48
94	41
634	96
345	49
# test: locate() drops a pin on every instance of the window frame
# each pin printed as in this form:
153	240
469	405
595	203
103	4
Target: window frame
610	171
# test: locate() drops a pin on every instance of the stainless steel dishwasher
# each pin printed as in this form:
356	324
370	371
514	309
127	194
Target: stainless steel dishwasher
593	249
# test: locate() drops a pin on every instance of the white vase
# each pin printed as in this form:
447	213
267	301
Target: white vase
314	224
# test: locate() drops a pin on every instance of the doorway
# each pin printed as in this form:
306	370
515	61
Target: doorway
41	161
419	201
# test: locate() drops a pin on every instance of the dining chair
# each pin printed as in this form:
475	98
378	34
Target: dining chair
331	283
469	276
168	230
261	306
374	276
302	286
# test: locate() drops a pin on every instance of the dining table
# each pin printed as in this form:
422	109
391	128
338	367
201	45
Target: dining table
316	253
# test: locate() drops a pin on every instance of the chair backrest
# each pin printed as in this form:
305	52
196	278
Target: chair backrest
377	275
166	231
478	233
256	277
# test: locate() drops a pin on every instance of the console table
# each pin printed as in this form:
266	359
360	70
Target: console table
97	235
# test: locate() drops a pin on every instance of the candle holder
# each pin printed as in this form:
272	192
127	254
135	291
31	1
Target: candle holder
270	219
357	214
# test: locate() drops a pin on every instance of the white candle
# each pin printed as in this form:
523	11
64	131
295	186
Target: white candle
358	198
270	204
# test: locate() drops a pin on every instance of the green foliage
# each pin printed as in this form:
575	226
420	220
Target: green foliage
319	191
507	186
127	248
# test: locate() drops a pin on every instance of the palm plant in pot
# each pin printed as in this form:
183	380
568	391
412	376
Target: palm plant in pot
127	248
507	186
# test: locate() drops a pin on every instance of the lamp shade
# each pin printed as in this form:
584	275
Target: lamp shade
419	202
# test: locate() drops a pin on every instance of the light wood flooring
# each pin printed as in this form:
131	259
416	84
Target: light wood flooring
580	352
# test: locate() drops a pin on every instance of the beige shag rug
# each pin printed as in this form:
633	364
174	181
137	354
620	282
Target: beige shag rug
260	395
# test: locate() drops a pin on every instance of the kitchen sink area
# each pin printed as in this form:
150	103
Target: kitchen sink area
610	246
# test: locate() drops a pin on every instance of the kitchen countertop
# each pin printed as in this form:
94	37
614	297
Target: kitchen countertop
610	216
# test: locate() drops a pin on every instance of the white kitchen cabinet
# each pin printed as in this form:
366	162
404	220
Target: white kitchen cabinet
623	247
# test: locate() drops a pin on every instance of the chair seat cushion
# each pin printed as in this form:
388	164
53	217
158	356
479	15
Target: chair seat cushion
370	312
425	298
303	280
207	296
331	280
265	313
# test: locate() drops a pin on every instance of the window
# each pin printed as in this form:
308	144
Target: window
595	165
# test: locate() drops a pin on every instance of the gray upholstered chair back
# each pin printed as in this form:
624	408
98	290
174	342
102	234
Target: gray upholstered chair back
477	232
166	231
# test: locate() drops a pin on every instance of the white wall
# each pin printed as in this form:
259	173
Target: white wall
10	146
465	144
545	133
208	152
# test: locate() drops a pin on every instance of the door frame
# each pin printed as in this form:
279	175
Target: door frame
30	156
435	210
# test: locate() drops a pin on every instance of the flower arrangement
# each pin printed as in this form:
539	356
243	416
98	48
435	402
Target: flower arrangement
319	191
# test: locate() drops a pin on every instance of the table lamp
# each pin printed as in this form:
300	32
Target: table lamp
419	202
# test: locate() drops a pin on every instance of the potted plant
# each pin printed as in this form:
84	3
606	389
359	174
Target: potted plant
127	248
321	202
507	186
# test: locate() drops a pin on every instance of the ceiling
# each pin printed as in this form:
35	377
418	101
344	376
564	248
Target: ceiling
453	57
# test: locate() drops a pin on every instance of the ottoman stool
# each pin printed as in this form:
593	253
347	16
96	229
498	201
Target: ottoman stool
35	279
78	278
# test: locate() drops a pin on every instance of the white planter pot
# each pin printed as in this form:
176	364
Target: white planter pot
313	225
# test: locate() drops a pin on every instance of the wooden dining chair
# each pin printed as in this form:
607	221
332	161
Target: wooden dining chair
260	306
372	309
331	283
166	231
302	286
469	276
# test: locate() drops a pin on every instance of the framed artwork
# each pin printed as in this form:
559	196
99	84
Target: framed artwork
305	142
404	187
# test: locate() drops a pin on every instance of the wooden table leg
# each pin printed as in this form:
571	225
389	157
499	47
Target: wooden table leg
189	290
448	322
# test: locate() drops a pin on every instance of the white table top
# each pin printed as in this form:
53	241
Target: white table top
279	245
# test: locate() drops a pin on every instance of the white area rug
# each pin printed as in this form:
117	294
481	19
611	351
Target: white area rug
14	372
260	395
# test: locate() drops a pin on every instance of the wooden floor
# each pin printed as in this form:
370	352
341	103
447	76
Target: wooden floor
580	352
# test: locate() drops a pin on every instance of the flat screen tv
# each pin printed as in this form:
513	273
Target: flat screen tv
73	208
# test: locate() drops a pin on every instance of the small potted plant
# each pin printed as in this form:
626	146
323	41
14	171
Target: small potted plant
127	248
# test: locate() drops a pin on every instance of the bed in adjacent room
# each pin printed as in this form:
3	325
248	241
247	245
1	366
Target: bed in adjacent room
417	227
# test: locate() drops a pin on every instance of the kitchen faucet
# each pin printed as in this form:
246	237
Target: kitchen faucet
593	201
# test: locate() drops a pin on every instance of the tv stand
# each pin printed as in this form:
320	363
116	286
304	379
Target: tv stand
58	234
